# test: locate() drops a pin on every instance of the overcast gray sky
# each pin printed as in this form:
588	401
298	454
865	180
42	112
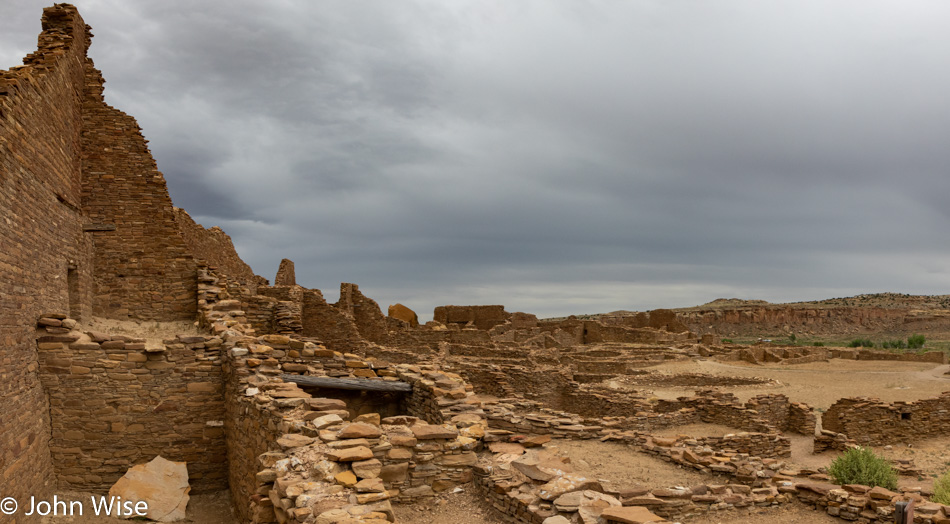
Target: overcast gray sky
555	156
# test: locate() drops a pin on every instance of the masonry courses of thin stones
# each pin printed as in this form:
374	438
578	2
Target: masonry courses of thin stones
88	230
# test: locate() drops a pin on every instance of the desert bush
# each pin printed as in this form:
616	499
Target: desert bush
916	341
861	343
819	344
942	489
863	466
893	344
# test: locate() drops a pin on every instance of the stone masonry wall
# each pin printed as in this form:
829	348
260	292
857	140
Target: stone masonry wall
483	317
365	312
329	324
869	421
115	403
143	268
214	246
45	253
756	319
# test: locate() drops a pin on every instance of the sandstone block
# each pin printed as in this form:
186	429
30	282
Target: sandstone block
366	469
359	430
161	483
351	454
432	431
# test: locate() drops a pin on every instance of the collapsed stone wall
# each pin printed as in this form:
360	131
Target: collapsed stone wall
45	263
114	403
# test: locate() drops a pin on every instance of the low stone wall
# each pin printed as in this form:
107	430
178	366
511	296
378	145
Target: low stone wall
936	357
864	504
766	353
763	413
535	487
869	421
830	441
115	403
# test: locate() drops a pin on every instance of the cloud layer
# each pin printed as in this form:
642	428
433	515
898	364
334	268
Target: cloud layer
556	157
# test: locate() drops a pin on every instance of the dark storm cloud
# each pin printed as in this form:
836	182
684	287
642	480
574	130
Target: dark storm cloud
556	157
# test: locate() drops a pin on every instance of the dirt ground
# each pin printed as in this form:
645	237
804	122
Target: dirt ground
696	430
623	466
208	508
821	384
785	514
464	507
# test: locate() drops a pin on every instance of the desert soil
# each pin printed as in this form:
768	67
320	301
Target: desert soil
468	508
695	430
464	507
622	466
821	384
785	514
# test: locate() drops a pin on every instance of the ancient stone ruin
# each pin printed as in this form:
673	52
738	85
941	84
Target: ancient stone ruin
309	411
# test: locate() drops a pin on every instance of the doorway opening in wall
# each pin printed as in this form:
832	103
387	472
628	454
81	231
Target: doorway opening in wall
72	285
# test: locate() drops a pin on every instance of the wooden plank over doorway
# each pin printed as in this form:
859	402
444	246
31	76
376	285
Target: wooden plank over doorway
358	384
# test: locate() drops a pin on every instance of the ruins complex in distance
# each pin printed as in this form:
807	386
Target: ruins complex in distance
309	411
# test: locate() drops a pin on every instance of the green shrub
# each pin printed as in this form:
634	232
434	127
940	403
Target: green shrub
861	343
819	344
893	344
863	466
916	341
942	489
727	341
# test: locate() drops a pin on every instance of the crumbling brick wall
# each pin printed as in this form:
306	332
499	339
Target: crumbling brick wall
46	255
143	268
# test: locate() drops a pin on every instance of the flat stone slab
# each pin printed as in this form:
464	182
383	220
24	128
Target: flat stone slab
432	431
162	484
630	515
351	454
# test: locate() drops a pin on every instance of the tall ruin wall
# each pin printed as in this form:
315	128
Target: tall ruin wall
144	270
214	247
86	224
45	260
